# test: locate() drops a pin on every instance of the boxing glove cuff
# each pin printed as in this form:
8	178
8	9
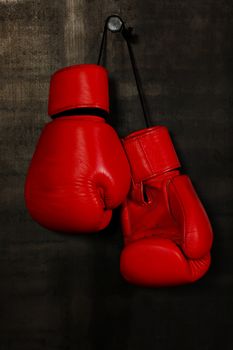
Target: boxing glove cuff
78	86
150	153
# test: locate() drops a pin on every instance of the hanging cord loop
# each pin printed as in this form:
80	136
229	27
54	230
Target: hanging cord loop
103	41
115	24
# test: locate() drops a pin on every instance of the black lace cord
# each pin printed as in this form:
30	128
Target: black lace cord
103	41
125	34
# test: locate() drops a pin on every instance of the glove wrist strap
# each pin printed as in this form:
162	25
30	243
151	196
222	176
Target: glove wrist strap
150	153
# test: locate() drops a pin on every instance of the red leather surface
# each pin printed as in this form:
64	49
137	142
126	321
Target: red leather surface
166	230
150	153
79	171
78	86
78	174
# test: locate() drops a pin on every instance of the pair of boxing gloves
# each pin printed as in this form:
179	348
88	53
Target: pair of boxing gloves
81	171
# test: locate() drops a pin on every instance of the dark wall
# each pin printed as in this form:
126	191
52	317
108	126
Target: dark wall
65	292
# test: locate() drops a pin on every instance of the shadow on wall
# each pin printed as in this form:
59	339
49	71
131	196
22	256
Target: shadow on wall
111	295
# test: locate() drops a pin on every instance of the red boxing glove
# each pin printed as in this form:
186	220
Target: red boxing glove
166	230
79	171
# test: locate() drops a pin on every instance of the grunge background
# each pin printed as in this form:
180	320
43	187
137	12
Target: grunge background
61	292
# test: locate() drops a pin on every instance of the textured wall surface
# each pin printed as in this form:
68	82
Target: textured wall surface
62	292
